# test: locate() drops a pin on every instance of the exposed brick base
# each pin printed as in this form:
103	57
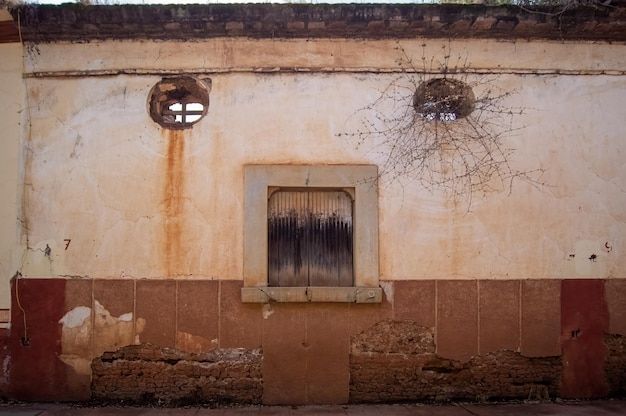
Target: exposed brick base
396	361
147	374
371	353
615	364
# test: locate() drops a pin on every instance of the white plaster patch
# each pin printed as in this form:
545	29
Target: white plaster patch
126	317
388	289
75	317
267	311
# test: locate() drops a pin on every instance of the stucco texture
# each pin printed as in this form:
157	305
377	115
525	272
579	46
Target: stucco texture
11	108
131	233
100	171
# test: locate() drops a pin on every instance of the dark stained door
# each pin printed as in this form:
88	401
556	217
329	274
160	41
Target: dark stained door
310	238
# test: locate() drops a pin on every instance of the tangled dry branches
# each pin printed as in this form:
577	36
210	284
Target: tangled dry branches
434	139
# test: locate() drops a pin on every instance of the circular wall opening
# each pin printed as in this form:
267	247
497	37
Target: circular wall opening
444	99
179	102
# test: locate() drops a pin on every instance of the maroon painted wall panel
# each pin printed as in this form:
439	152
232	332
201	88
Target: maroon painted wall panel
541	318
36	371
499	315
457	319
327	353
241	324
284	354
78	292
116	296
5	359
197	315
156	303
584	320
615	291
414	300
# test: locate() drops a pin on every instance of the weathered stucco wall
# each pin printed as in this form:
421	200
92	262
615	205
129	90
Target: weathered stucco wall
11	108
98	165
134	234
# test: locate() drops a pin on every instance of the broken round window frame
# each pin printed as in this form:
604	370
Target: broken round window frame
444	99
179	102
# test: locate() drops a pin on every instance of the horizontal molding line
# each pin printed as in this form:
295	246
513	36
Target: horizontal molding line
305	70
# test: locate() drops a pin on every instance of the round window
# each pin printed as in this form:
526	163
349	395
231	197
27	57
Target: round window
443	99
179	102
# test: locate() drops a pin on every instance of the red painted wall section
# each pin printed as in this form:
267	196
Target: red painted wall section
568	317
36	372
5	360
584	320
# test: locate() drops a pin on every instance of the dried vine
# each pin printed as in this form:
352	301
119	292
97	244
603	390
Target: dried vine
465	157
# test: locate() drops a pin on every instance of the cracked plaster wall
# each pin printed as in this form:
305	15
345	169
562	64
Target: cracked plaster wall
99	167
11	106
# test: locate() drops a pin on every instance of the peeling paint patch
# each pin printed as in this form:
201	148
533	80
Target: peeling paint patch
81	324
76	317
267	311
126	317
193	343
388	289
4	377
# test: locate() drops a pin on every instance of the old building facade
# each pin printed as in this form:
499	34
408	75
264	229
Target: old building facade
274	204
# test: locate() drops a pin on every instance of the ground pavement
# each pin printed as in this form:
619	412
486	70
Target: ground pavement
569	408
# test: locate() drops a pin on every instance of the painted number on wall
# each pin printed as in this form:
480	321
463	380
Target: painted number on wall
67	242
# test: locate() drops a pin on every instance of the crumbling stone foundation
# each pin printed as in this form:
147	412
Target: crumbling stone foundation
148	374
396	361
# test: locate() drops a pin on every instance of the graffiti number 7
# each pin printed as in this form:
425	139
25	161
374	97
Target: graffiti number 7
67	242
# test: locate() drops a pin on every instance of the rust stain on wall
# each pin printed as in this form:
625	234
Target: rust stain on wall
173	201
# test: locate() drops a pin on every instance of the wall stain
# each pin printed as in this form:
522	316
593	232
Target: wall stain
173	201
87	333
194	343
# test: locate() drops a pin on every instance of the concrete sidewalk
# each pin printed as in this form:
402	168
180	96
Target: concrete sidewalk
569	408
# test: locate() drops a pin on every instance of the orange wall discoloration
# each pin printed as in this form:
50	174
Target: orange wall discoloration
174	201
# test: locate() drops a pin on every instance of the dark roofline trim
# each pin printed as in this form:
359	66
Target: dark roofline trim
76	22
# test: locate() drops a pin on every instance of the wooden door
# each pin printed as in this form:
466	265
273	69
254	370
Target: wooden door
310	238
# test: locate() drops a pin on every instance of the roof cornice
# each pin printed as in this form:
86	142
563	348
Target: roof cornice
77	22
